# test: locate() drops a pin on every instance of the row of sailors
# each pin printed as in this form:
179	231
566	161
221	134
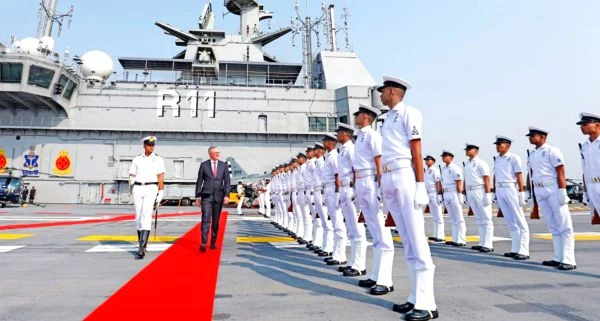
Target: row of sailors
318	194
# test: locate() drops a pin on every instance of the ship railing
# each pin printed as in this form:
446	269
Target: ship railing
32	122
200	81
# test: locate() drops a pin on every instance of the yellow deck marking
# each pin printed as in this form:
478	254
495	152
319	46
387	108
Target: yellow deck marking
14	236
591	236
127	238
263	239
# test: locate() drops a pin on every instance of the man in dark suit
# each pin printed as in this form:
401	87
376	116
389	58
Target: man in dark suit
212	189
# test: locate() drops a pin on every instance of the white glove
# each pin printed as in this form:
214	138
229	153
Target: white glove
563	198
487	199
494	199
159	196
528	195
585	199
421	198
461	198
522	199
440	199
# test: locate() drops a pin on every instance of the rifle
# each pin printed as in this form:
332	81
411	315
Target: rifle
442	183
535	213
499	209
595	216
465	189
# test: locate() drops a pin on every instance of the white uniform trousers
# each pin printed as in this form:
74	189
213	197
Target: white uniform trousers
268	204
437	216
306	217
398	189
332	200
326	225
317	231
593	194
286	215
298	216
356	231
278	208
143	201
508	201
261	203
558	219
457	219
239	205
483	217
383	245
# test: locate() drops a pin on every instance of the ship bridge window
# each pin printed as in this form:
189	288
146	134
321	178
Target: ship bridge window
322	124
60	85
69	90
11	72
40	77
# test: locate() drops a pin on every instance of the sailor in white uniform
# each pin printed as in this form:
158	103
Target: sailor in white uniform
434	192
240	192
327	248
367	170
405	193
590	154
452	178
547	169
306	236
479	197
309	183
146	174
510	195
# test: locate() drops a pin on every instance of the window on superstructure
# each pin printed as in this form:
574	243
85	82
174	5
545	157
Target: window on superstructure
332	124
40	77
60	85
344	119
69	90
317	124
262	123
11	72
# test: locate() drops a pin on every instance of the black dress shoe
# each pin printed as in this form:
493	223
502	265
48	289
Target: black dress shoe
421	315
343	268
476	247
303	242
403	308
368	283
299	240
550	263
566	267
381	290
355	272
317	250
335	262
435	239
450	243
310	247
485	250
510	254
202	248
327	259
459	244
213	246
521	257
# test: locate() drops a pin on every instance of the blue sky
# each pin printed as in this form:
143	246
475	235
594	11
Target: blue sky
478	67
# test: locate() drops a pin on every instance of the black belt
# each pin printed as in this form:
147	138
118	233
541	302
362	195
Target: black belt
150	183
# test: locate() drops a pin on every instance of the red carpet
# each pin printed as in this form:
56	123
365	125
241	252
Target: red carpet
180	284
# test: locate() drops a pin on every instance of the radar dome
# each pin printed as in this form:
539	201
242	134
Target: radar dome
96	65
28	45
46	44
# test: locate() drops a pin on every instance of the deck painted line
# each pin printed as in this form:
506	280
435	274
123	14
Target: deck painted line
103	248
6	249
126	238
52	213
5	236
183	279
583	236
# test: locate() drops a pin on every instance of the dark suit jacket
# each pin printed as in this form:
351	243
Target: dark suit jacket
208	185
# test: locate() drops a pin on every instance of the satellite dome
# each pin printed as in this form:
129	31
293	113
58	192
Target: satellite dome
46	44
96	65
28	45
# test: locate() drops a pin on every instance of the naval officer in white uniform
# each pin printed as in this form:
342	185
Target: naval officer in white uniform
547	168
146	174
405	194
452	178
590	155
434	192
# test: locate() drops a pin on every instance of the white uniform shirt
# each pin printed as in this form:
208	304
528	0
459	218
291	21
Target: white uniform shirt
330	168
240	189
368	146
591	159
345	159
293	179
300	177
308	177
432	176
450	174
402	124
317	172
145	168
475	170
505	168
543	161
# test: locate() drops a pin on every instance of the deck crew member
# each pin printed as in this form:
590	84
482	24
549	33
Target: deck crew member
146	174
405	193
434	192
304	218
547	169
590	154
240	192
309	183
327	248
479	196
510	195
332	200
356	231
452	177
367	168
268	198
298	229
261	197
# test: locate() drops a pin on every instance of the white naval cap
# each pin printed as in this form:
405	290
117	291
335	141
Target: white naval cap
389	81
330	136
319	145
149	140
446	153
345	127
362	108
310	147
471	145
585	118
537	130
503	139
